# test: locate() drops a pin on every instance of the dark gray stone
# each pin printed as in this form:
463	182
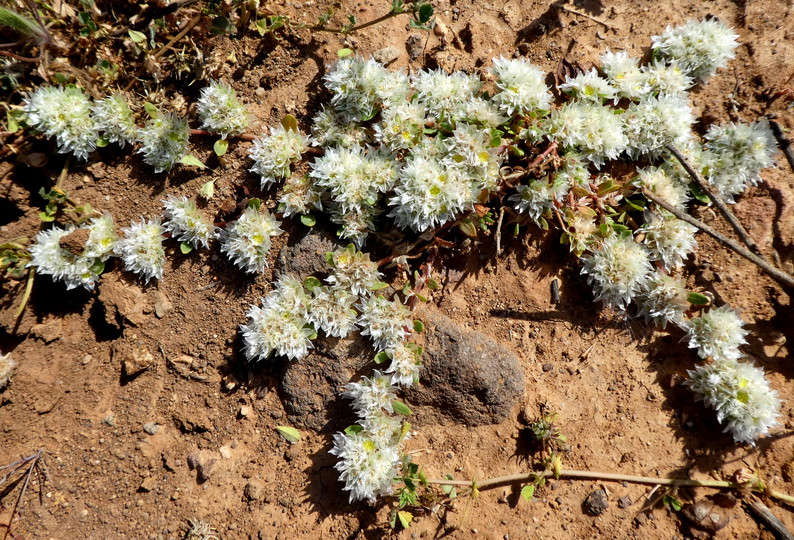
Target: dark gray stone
306	257
596	503
466	377
415	46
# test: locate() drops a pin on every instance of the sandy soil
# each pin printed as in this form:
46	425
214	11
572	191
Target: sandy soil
615	383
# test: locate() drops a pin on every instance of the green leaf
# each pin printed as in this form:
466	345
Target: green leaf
672	503
352	430
20	23
405	518
289	122
308	220
381	357
254	203
527	492
291	434
379	285
220	147
45	217
98	267
329	258
102	142
419	326
137	37
11	120
311	283
207	190
341	53
448	490
185	248
151	110
189	159
432	284
406	427
699	194
468	228
221	25
697	299
401	408
424	13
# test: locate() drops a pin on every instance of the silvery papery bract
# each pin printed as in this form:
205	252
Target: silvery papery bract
273	154
443	94
330	129
589	86
65	114
247	241
360	87
367	469
372	396
624	74
185	223
300	196
353	271
355	224
664	185
221	111
401	126
618	270
102	238
480	112
740	394
114	119
405	364
698	47
664	300
521	85
280	326
738	154
665	80
653	123
669	239
49	258
385	322
469	149
539	196
141	249
7	367
594	130
717	333
331	310
164	141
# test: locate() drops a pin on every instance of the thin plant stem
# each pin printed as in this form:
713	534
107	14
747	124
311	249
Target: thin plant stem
782	141
322	28
778	275
717	200
205	133
26	294
609	477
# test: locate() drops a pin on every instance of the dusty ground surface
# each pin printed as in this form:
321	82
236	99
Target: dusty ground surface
614	383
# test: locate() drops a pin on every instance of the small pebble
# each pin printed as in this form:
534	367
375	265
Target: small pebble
548	367
151	428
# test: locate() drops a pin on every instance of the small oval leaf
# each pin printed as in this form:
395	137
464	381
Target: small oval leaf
697	299
419	326
308	220
527	492
341	53
401	408
291	434
311	283
185	248
190	159
220	147
207	190
381	357
289	122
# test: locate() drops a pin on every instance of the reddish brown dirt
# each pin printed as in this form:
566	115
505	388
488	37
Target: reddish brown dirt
615	383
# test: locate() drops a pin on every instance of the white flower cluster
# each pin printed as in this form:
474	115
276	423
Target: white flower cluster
668	239
718	333
50	257
698	47
141	248
273	153
736	154
221	111
115	120
521	87
329	128
664	185
185	223
589	86
740	394
386	322
664	300
654	122
444	94
595	131
300	196
247	241
163	141
7	367
619	269
353	271
361	87
281	325
65	114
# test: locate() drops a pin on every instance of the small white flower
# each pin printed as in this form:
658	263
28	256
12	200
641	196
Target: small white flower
185	223
300	196
589	86
522	87
618	270
353	271
361	87
401	126
669	239
221	111
624	74
737	153
664	300
331	311
653	123
7	368
247	241
63	113
102	238
698	47
164	141
740	394
595	131
479	112
280	326
443	94
329	128
664	185
356	223
385	322
367	469
115	120
141	248
273	154
665	79
405	364
49	258
372	396
718	333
